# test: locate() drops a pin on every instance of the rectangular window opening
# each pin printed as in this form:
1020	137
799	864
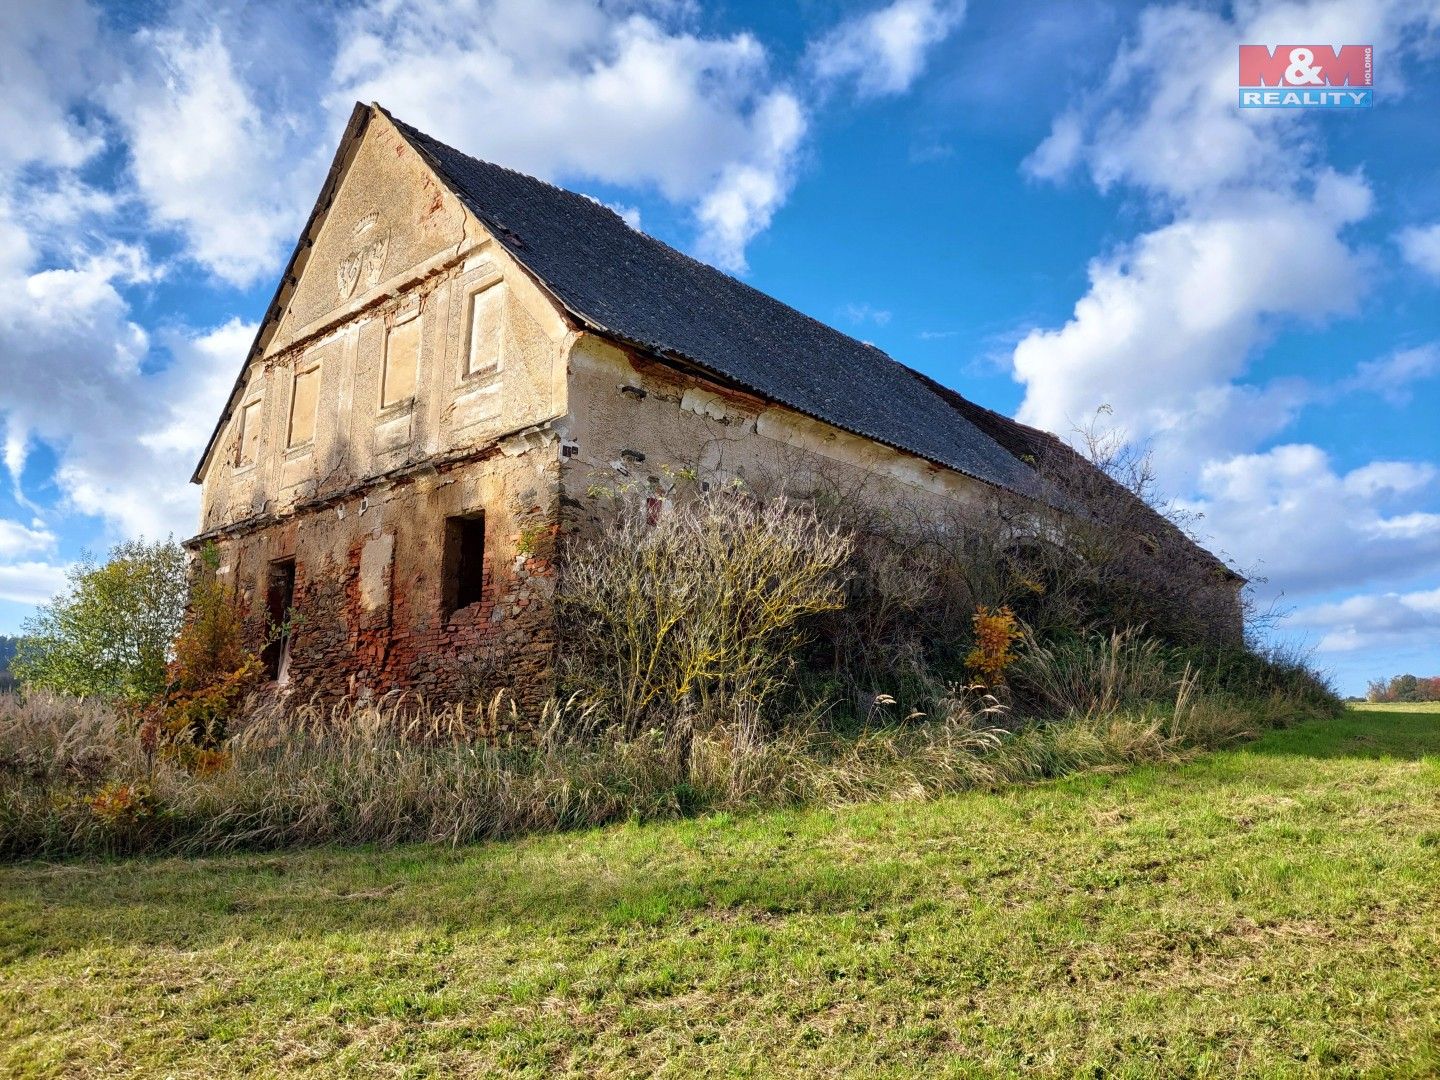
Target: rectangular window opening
279	605
464	561
304	399
402	359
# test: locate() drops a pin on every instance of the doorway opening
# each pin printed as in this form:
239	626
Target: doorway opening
279	603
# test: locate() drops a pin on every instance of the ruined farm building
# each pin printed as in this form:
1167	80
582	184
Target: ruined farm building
454	355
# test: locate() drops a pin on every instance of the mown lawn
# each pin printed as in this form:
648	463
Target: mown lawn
1273	910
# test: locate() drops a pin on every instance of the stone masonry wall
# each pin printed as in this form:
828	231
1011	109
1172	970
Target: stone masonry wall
370	592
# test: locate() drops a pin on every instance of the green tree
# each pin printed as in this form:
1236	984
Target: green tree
109	634
1405	688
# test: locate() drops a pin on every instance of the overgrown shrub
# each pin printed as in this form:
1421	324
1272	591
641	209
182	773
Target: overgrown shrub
209	678
695	607
916	577
1100	555
1109	552
1094	674
721	650
996	632
1260	672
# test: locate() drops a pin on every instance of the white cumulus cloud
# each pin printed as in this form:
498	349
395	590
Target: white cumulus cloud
883	51
30	582
1421	247
1374	620
205	158
48	63
1394	377
1293	517
576	90
18	539
71	361
1172	319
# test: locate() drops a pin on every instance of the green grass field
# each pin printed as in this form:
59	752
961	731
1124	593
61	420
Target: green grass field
1398	706
1272	910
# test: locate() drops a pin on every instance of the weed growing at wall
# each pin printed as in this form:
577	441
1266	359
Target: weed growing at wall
208	680
996	632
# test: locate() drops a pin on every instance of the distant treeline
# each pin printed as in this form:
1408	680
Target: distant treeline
1405	688
7	650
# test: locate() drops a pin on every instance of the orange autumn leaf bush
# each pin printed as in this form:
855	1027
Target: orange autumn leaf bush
996	631
122	805
210	676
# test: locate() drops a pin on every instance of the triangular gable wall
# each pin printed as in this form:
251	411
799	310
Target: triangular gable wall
382	219
388	217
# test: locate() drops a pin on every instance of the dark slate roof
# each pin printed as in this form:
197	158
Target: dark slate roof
630	286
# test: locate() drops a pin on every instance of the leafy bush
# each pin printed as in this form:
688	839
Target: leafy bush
109	635
995	635
209	679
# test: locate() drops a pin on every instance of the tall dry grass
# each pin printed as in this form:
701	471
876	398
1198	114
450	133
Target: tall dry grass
1096	673
77	780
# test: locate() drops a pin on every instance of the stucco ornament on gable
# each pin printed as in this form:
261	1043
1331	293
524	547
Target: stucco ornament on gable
372	260
367	261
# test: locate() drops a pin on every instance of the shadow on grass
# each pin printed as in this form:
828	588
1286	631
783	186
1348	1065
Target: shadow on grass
1402	736
422	892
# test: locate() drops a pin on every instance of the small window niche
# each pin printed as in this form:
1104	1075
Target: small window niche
464	562
279	606
248	449
402	361
487	313
304	400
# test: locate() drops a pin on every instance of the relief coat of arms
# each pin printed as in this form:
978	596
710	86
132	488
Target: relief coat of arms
367	263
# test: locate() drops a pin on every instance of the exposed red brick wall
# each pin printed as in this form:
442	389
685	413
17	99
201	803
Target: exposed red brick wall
342	648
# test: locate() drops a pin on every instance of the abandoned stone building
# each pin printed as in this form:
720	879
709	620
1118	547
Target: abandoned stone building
453	356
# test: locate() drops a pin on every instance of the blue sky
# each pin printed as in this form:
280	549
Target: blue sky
1049	207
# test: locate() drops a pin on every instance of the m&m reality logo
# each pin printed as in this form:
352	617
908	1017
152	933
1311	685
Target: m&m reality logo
1306	76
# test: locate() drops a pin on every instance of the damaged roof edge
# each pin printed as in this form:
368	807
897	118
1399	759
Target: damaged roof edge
354	128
